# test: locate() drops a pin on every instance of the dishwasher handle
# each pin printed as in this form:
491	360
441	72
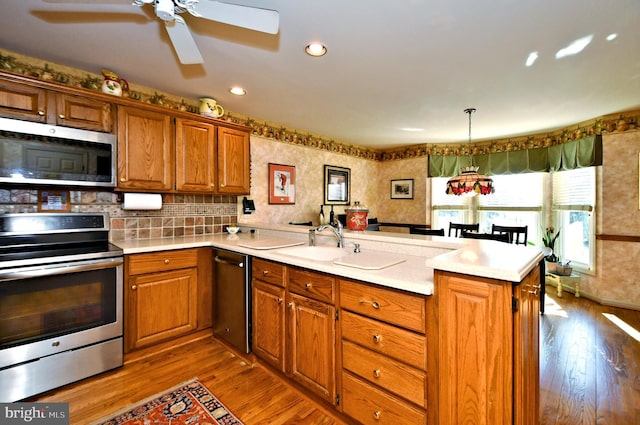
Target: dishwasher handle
222	260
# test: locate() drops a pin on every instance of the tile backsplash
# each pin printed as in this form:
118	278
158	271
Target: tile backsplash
181	215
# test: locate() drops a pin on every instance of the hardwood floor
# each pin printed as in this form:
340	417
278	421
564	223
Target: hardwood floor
589	367
590	375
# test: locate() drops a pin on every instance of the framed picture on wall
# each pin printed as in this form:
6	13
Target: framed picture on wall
282	180
337	185
402	189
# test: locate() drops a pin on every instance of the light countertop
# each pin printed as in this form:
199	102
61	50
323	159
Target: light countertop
421	254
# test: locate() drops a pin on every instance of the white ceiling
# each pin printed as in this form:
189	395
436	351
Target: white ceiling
390	64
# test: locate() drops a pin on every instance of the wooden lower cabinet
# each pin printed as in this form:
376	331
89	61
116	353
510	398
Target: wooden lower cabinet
488	336
161	296
384	354
467	354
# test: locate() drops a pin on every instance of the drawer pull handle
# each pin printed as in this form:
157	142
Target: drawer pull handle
374	304
376	415
377	339
376	373
307	285
166	261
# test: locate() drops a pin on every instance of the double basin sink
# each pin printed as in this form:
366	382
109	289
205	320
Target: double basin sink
367	260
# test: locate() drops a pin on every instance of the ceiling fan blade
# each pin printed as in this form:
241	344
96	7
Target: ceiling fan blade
183	42
94	2
263	20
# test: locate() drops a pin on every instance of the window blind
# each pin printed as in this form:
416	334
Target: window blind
515	191
574	189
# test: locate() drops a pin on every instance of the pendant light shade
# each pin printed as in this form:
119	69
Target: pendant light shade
469	182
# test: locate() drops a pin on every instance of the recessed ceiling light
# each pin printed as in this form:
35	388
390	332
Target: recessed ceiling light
238	91
412	129
574	47
612	37
315	49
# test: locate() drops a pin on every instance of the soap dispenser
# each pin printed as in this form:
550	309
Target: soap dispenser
331	215
321	216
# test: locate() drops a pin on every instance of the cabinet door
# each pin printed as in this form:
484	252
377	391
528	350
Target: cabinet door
526	337
475	349
233	161
23	102
160	306
312	345
268	323
82	112
195	156
145	149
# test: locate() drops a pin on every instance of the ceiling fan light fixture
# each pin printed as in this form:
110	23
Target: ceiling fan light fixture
238	91
316	49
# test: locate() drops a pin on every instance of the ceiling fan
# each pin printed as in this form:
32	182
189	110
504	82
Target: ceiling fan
253	18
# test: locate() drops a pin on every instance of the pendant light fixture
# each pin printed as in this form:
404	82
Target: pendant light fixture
469	182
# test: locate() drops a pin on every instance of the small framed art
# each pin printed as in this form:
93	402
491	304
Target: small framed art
402	189
337	181
54	201
282	180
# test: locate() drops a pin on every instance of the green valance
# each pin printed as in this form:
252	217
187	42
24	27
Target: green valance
579	153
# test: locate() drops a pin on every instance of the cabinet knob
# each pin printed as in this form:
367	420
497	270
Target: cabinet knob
166	261
290	304
377	339
122	179
307	285
279	300
222	185
265	272
376	415
376	373
134	287
61	116
41	113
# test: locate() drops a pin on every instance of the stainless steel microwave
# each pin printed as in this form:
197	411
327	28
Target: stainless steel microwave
46	154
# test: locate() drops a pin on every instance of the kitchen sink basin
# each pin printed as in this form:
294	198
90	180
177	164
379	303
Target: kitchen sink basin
317	253
370	260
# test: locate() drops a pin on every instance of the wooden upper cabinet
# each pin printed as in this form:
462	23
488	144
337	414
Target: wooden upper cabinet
233	161
145	149
23	102
32	103
81	112
195	156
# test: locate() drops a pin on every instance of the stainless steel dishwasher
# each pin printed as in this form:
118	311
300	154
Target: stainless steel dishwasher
232	298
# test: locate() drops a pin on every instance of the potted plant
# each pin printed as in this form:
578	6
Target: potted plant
549	238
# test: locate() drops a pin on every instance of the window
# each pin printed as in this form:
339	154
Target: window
517	201
573	209
446	208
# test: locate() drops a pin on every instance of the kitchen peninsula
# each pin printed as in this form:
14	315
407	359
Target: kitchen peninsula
449	335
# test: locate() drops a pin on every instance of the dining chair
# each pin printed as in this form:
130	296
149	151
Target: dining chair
518	234
459	227
500	237
426	231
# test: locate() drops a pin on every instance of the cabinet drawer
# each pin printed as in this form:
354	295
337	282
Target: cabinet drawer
391	306
393	376
312	285
401	344
372	406
268	271
162	261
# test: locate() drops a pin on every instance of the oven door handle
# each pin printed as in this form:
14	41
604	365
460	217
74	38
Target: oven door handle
58	269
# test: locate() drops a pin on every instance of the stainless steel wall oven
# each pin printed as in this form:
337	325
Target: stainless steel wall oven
61	289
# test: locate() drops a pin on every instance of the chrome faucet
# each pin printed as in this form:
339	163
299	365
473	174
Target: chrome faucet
336	228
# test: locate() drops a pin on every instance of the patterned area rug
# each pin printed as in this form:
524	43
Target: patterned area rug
186	404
